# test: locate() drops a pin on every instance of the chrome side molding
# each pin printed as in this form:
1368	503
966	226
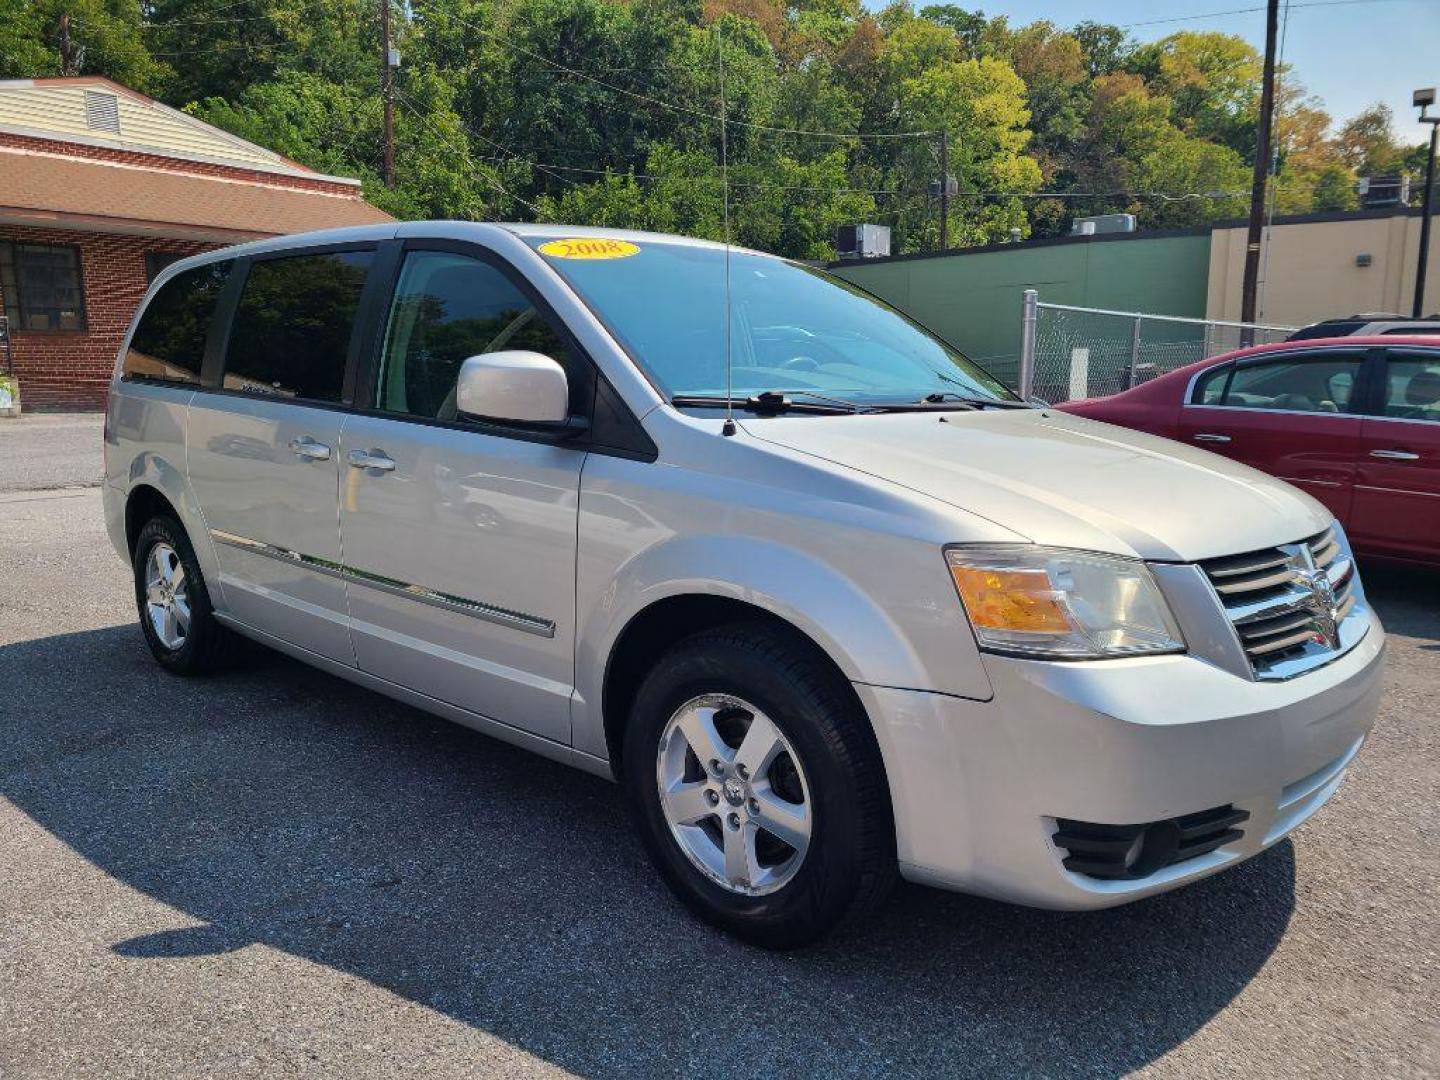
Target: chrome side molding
530	624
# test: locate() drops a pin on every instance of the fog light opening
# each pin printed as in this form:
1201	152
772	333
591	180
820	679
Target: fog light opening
1153	848
1112	852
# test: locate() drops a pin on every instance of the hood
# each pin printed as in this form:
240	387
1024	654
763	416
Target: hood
1064	480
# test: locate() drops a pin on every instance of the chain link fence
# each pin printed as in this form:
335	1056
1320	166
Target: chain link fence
1069	352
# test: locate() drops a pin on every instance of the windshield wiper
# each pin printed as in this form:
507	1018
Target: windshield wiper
939	397
771	402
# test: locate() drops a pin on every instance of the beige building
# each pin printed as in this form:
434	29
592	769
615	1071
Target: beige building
1325	265
100	188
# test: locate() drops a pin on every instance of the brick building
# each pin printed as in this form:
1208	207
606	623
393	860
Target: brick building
100	188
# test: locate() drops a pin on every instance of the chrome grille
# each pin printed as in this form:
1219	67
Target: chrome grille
1286	602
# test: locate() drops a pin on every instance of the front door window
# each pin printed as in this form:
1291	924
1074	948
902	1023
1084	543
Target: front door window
448	308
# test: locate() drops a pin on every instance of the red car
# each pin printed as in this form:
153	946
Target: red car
1354	421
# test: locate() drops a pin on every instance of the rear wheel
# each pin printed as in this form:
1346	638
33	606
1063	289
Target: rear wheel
173	602
758	787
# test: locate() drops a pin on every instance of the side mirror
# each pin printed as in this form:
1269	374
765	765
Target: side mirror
513	386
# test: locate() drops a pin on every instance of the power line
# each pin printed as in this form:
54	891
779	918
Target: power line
547	166
1243	11
271	50
551	168
713	117
512	156
166	24
662	178
493	181
543	166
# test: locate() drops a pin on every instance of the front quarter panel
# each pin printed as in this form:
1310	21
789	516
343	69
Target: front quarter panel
851	562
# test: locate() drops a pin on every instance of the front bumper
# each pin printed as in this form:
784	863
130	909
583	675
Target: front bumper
977	786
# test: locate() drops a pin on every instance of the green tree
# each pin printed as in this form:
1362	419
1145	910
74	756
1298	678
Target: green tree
224	52
24	52
1212	81
1106	48
1312	175
1332	187
981	105
1188	181
1052	65
1367	142
107	37
607	111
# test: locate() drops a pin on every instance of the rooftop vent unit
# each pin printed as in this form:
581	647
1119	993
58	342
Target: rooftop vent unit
102	112
1379	192
862	241
1103	223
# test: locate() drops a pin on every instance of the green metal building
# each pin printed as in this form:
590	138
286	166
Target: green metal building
971	297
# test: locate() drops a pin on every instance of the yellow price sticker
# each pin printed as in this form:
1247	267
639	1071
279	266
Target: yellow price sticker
592	247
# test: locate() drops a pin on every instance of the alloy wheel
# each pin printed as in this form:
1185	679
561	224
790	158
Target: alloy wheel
167	596
734	793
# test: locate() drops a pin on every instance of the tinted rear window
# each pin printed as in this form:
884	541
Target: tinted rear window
169	343
292	326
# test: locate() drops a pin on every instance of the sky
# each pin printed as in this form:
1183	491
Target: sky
1349	53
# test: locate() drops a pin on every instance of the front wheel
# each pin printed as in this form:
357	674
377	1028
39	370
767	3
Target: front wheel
758	787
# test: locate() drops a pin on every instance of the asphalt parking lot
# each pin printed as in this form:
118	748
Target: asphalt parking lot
274	873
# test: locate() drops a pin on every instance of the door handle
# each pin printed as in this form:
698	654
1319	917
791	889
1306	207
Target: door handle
1395	455
371	459
1206	436
306	447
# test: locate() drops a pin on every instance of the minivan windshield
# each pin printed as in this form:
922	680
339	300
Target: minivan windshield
793	328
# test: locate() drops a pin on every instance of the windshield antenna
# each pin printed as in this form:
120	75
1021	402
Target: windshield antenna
729	426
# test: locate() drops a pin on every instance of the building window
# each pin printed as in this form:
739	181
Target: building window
41	285
155	261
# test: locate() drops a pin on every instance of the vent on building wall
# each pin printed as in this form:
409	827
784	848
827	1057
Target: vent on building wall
102	112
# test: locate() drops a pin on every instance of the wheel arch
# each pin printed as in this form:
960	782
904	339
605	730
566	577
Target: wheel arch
695	582
668	620
155	485
144	502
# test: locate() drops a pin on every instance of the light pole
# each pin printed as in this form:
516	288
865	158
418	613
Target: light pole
1251	280
1423	99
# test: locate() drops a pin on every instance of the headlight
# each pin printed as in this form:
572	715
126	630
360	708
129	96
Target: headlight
1068	605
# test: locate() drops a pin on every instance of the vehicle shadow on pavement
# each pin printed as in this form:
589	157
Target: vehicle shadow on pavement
1407	597
280	806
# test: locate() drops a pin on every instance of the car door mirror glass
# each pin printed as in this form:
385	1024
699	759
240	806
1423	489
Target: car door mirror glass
513	386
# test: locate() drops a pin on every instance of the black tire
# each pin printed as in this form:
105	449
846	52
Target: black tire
207	643
849	865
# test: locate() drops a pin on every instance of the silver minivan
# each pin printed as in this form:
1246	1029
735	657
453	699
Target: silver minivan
824	596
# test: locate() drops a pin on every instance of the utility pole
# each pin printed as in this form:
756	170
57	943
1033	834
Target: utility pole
1262	169
944	190
1424	99
387	92
72	54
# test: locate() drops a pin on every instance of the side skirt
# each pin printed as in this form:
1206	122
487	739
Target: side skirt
555	751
